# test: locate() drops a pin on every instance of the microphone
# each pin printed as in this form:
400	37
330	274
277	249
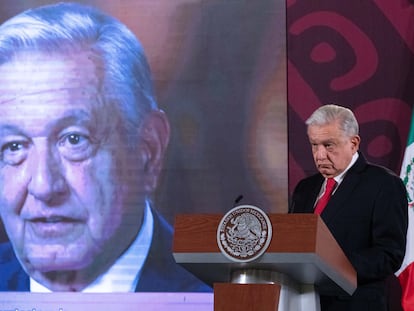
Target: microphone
238	199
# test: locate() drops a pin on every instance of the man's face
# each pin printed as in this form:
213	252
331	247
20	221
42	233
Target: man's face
332	150
72	187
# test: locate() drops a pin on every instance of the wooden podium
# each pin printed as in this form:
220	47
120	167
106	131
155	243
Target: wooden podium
302	259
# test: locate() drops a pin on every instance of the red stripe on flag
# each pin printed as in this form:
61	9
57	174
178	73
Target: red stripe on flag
406	278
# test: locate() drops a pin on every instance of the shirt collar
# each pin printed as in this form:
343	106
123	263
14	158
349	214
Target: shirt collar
341	176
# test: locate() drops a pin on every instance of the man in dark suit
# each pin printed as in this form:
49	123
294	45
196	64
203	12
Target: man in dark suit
367	212
81	148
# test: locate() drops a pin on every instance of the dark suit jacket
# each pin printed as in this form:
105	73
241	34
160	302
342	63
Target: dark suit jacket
160	272
367	215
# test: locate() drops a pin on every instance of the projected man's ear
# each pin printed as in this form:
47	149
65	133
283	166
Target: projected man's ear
153	136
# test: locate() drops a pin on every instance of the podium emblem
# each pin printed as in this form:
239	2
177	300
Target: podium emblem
244	233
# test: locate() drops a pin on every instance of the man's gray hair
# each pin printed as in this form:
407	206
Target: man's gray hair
68	28
332	113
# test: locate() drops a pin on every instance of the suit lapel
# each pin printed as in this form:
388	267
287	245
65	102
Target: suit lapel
159	259
313	194
13	277
338	201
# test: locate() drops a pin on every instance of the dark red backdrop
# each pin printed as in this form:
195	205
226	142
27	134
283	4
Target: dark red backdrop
358	54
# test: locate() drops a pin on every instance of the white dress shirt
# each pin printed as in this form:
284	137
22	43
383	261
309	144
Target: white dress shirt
338	178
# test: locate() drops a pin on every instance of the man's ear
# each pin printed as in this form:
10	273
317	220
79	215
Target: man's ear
355	140
154	138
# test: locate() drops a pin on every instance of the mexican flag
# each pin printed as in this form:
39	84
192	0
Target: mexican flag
406	272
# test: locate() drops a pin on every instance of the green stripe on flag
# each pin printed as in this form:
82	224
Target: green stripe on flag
410	139
408	165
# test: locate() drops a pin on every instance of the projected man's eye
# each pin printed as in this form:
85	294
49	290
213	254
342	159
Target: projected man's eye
75	146
13	153
14	146
74	139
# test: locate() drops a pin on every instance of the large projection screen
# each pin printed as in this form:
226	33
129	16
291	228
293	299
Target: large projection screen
219	74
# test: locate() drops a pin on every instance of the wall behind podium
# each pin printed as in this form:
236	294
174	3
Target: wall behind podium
359	54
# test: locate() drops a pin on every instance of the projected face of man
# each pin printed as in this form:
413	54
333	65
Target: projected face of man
72	189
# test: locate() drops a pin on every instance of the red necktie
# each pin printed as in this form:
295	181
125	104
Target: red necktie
330	186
